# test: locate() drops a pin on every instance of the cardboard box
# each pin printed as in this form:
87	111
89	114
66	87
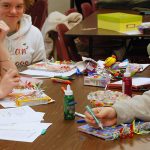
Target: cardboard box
120	22
98	81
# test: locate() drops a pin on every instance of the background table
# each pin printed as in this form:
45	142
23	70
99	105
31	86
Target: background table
63	135
88	28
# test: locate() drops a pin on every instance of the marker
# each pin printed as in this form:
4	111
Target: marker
79	115
61	81
43	131
96	120
64	77
81	121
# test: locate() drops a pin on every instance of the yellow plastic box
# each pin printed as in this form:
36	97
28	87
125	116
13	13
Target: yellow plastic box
120	22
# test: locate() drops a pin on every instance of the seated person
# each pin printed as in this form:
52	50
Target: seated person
24	41
8	71
122	111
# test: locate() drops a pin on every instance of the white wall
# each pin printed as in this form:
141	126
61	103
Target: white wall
58	5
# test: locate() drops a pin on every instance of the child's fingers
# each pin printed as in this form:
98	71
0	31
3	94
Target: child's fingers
12	73
15	84
17	79
87	115
90	121
97	110
4	26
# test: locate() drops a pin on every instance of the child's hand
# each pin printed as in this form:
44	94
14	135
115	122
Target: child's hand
8	82
3	30
107	115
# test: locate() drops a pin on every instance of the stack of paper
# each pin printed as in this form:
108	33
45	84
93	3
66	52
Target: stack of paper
16	125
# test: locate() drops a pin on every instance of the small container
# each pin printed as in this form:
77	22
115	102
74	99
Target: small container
69	104
127	83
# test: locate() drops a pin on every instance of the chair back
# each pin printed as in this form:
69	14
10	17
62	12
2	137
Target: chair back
39	12
94	4
65	46
71	10
87	9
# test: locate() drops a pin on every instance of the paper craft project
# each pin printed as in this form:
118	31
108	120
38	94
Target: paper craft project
29	97
30	83
78	67
120	131
108	133
29	93
52	67
106	98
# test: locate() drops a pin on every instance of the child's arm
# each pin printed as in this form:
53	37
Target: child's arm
138	107
5	61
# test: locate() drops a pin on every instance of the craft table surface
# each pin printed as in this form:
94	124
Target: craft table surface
63	135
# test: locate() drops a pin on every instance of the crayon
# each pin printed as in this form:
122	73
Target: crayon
81	121
64	77
61	81
63	89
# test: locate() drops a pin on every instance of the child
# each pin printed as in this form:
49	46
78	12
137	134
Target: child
9	73
24	41
122	111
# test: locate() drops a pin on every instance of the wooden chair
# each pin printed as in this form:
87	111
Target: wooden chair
65	47
87	9
94	4
71	10
39	12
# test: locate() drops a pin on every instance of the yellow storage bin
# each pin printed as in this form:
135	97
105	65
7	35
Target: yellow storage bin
120	22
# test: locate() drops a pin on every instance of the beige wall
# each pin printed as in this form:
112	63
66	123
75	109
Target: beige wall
58	5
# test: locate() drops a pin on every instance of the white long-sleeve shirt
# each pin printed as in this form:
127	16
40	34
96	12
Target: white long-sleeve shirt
138	107
26	46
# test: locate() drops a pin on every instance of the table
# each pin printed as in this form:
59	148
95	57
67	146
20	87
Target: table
63	135
88	28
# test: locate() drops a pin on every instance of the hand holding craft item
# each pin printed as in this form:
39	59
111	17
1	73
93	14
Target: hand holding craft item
9	81
107	115
29	93
98	122
122	131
